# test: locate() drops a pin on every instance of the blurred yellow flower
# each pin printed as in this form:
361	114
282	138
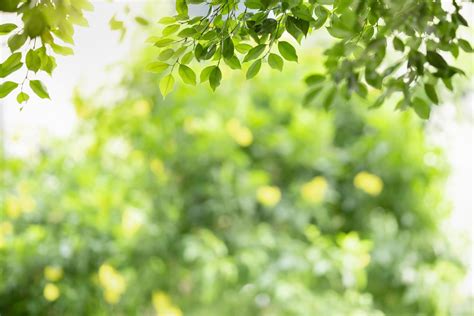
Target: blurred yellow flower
369	183
314	190
241	134
51	292
141	108
163	305
132	220
53	273
112	282
268	195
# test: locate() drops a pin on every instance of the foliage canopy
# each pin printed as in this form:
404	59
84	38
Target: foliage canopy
394	46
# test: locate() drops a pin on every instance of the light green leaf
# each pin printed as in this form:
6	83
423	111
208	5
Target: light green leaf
22	97
33	61
254	69
157	67
421	108
16	41
275	61
233	62
181	7
39	89
62	50
205	73
255	52
7	28
6	88
166	85
287	51
187	74
10	65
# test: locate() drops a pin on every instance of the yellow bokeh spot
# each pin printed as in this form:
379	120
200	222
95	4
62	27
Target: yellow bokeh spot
51	292
132	221
112	282
6	228
17	205
191	125
141	108
53	273
369	183
242	135
163	305
268	195
314	190
157	167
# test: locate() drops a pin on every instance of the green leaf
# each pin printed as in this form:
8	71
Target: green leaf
287	51
465	45
187	58
255	52
233	62
187	74
329	99
275	61
398	44
167	20
142	21
314	79
33	61
228	48
254	69
10	65
181	7
166	54
22	97
431	93
311	95
205	73
7	28
166	85
421	108
243	48
436	60
6	88
39	89
164	42
170	29
16	41
62	50
157	67
215	77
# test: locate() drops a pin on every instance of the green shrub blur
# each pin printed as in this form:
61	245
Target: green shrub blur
242	202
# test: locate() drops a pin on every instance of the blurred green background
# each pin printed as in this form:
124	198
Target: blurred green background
239	202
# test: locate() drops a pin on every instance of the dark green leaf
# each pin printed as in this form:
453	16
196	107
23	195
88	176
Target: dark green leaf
431	93
215	77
